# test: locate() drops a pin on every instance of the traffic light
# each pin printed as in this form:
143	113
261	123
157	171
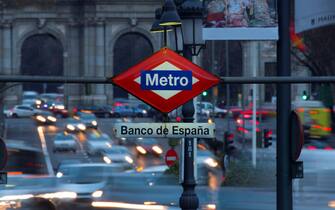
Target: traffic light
204	93
267	138
228	140
304	95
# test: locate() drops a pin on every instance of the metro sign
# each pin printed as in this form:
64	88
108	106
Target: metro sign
165	80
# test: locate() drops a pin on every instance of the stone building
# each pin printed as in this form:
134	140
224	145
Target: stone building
74	38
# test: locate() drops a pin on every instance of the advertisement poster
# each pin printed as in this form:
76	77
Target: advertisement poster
240	20
310	14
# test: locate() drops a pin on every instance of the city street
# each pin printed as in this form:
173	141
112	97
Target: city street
315	191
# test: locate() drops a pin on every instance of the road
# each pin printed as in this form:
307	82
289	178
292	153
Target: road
315	191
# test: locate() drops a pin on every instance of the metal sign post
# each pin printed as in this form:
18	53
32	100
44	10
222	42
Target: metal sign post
284	173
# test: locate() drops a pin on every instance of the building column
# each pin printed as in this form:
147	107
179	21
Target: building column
251	60
100	97
73	91
7	50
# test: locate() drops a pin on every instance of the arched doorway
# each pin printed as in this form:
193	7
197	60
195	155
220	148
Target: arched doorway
42	55
129	49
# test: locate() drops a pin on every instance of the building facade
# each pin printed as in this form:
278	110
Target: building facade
74	38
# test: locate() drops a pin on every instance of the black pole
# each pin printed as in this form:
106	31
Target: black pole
284	179
188	200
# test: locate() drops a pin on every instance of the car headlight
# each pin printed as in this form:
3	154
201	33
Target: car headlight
70	127
52	119
59	107
81	127
16	197
94	123
59	174
210	121
128	159
107	160
211	162
157	149
141	150
97	194
144	112
41	118
123	138
38	102
59	195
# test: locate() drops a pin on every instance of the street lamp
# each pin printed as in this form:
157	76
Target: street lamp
157	28
191	13
190	29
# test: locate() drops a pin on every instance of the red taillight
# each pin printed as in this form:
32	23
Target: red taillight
310	147
242	130
230	137
258	130
268	134
327	129
328	148
247	116
178	119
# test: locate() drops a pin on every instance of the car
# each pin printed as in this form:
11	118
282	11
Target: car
118	154
146	146
58	109
207	109
98	142
122	111
21	111
74	126
139	112
89	120
45	118
87	180
104	111
244	129
64	141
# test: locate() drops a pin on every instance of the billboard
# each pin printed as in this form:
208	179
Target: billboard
240	20
310	14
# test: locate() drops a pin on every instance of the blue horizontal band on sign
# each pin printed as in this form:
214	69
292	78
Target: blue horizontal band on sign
166	80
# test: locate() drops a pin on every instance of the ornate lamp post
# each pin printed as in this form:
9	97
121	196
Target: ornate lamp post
190	29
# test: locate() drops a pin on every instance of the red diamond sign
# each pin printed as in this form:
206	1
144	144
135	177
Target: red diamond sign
165	80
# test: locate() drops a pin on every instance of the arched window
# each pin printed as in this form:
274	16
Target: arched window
42	55
129	49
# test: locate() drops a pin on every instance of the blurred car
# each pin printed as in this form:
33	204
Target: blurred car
45	118
63	141
318	144
74	126
98	142
21	111
118	154
58	109
207	109
24	159
89	120
99	111
88	180
315	117
122	111
146	146
139	112
244	129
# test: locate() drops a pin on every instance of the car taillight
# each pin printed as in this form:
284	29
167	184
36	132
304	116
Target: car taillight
230	137
268	134
310	147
